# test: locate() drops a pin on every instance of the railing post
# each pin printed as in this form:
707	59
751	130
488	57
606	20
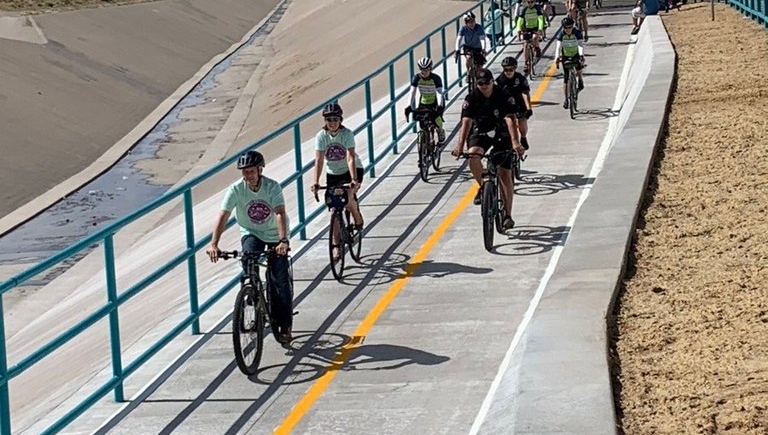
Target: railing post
369	127
189	220
428	43
299	180
5	401
114	323
413	72
393	109
444	46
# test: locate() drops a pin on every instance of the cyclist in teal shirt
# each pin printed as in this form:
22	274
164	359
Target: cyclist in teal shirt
259	209
430	88
335	147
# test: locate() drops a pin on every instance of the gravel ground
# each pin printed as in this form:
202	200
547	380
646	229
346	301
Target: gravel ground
692	332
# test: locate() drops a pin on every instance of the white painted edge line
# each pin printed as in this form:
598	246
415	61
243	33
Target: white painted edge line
597	166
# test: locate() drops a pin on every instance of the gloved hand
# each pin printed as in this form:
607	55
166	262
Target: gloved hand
528	113
456	56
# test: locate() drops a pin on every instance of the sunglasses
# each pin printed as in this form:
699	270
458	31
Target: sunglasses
484	83
333	119
509	69
568	28
425	69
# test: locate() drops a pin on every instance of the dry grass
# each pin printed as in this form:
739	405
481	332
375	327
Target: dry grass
38	6
693	319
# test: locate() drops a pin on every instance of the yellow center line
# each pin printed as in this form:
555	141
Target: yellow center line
314	392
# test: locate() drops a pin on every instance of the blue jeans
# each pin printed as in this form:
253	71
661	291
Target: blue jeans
281	294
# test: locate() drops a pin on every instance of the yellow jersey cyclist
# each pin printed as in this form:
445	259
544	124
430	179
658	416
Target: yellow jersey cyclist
335	148
572	7
471	41
259	209
430	88
516	85
530	26
570	49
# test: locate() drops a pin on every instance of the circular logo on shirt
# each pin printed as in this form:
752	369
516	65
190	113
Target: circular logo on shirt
335	152
258	211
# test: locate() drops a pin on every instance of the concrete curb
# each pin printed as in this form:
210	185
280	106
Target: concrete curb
119	149
564	382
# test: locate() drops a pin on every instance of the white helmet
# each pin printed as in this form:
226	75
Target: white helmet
425	63
469	16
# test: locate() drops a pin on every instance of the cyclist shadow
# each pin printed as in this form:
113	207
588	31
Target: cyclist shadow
534	184
594	114
532	240
397	266
314	355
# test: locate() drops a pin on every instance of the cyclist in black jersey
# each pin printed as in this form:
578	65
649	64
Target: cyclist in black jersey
517	86
488	120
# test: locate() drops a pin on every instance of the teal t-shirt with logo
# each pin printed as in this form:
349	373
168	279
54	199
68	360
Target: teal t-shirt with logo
335	148
255	211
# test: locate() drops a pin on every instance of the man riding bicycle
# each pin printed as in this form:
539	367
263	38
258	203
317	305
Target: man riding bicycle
430	88
516	85
472	42
570	49
530	27
260	213
573	7
488	121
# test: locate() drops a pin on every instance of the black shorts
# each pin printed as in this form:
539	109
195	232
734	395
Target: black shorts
335	180
477	54
497	143
528	34
566	62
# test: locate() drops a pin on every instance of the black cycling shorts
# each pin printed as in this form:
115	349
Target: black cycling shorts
335	180
497	143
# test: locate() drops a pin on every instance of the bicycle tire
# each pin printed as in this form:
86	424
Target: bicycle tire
572	94
248	323
529	60
517	167
269	309
471	78
423	155
354	240
437	150
337	266
488	210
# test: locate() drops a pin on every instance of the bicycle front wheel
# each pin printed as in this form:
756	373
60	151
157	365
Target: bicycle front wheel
572	94
488	210
437	150
423	143
516	165
248	330
354	239
336	245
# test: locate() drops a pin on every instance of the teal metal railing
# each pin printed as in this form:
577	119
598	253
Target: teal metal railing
443	36
755	9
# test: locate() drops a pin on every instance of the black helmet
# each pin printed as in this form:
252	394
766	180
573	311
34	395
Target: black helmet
509	61
567	22
250	159
332	109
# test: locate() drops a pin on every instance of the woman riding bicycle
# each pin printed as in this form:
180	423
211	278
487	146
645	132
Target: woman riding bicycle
570	49
430	89
260	212
335	144
472	42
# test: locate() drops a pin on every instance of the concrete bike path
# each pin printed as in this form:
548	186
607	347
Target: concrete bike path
444	311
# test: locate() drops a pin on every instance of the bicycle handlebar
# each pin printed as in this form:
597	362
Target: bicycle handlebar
227	255
319	187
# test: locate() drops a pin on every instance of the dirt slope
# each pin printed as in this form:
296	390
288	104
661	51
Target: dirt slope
693	317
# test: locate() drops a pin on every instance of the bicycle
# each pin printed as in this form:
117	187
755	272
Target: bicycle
530	53
491	202
573	90
253	309
430	150
473	66
342	233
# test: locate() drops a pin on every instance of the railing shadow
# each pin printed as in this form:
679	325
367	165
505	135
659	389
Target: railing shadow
391	270
595	114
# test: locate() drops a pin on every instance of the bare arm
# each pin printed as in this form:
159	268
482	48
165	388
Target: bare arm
319	161
282	229
218	229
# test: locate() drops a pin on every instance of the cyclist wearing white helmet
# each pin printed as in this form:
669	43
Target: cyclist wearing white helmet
472	42
335	145
570	49
430	88
259	209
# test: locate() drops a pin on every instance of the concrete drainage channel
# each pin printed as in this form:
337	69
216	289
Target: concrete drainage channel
128	185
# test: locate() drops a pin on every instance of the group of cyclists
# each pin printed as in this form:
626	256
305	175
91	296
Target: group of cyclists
494	116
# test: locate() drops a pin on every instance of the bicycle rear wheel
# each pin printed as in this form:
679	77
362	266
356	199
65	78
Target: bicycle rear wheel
471	78
488	210
423	143
335	233
248	330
